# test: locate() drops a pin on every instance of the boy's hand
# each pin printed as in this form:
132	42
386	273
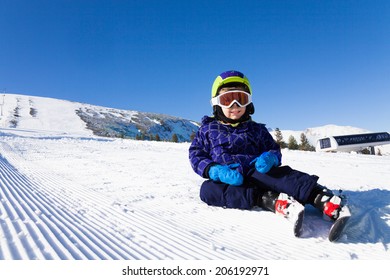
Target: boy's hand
226	174
265	162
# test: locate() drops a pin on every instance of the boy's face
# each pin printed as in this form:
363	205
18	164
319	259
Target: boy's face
235	112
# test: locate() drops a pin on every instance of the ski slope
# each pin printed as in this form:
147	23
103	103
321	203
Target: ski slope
66	194
71	197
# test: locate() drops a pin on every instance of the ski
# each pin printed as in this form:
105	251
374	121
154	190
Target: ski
298	223
337	229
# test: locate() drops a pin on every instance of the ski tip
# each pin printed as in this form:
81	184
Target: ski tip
298	224
336	231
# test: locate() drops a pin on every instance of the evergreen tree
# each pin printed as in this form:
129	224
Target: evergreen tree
305	145
157	137
292	143
192	136
175	138
365	151
279	138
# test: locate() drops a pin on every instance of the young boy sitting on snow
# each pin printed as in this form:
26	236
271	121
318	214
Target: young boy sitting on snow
242	162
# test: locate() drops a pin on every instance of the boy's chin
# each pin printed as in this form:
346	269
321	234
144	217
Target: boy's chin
235	117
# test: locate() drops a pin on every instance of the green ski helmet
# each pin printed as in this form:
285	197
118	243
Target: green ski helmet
230	77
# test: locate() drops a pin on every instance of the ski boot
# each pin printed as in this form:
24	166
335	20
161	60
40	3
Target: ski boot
328	203
334	208
285	206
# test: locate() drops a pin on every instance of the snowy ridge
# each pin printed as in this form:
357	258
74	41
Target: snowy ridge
66	117
315	133
60	117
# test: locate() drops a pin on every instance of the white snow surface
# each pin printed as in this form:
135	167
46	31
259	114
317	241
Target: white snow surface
66	194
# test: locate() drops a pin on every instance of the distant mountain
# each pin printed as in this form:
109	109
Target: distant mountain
133	124
315	133
30	112
66	117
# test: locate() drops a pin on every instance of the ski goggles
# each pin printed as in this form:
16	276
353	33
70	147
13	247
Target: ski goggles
227	99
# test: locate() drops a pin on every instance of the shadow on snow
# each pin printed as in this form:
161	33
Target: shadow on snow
369	223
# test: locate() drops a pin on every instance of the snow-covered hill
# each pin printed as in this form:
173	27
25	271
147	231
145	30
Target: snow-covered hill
48	114
66	193
315	133
53	115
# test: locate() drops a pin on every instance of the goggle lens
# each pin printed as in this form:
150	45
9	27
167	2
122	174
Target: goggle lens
227	99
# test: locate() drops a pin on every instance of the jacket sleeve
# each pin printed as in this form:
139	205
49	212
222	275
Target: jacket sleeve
199	155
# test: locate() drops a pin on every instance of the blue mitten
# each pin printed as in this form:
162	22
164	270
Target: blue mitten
226	174
265	162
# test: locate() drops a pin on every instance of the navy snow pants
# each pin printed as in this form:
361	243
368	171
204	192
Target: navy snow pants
279	179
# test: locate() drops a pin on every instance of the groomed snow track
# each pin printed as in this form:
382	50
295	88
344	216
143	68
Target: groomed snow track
77	198
38	220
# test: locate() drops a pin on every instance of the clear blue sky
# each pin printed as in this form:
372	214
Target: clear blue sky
311	63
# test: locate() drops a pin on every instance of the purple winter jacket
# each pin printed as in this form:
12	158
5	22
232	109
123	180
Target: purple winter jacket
218	143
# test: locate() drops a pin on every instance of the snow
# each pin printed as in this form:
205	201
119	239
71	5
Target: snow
66	194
